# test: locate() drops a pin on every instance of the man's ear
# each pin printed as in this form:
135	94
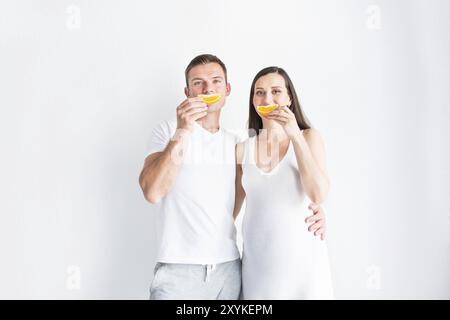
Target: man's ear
228	89
186	92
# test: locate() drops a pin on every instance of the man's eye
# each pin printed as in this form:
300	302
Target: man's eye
217	81
197	83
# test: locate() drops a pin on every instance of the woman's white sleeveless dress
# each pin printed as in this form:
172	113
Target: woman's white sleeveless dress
281	258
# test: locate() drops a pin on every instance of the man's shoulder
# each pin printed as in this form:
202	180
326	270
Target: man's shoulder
166	126
236	135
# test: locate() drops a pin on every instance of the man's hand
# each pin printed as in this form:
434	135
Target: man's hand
318	217
189	111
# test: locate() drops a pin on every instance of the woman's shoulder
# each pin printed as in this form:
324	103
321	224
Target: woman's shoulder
312	134
240	150
310	131
314	138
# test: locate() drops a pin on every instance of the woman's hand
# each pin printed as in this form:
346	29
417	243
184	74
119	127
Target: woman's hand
319	225
286	118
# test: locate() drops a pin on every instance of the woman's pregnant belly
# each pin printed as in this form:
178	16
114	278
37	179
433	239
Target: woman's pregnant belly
274	233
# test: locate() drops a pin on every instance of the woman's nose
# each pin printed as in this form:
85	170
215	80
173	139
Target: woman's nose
268	99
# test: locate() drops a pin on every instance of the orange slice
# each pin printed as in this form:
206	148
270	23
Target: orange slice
265	110
210	99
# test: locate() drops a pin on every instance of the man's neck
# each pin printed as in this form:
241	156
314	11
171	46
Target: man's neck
210	122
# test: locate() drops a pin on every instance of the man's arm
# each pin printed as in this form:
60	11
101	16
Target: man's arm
318	220
161	169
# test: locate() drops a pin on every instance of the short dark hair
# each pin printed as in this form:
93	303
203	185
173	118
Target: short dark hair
254	120
204	59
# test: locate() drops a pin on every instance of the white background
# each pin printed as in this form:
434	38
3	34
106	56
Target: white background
82	83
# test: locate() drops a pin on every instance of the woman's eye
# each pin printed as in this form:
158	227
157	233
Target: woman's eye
259	93
276	91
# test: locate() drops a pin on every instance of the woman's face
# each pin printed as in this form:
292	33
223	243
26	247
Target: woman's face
271	89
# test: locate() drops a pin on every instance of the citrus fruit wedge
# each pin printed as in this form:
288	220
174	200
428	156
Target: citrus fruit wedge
265	110
210	99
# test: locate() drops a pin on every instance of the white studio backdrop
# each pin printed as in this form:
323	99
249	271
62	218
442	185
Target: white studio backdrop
82	83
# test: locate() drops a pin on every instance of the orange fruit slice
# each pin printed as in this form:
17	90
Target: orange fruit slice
265	110
210	99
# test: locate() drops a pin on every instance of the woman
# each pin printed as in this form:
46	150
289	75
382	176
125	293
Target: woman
278	168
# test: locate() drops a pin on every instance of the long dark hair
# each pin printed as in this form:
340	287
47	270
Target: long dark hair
254	120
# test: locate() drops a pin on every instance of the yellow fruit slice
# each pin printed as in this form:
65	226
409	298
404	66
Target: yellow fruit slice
210	99
265	110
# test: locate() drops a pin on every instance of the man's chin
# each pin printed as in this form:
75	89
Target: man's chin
214	108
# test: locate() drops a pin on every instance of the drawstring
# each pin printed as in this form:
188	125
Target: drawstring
209	269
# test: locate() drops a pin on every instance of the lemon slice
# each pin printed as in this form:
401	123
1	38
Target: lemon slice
265	110
210	99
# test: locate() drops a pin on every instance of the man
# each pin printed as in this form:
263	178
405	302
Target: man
190	173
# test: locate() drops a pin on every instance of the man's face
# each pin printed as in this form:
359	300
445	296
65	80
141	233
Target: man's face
208	79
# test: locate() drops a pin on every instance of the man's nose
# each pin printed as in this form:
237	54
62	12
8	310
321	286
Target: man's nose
208	88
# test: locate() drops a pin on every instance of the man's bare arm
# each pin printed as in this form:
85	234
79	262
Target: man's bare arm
161	169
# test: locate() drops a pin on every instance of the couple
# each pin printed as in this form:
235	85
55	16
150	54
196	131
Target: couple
199	175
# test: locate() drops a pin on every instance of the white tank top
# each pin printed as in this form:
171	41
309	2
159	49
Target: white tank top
281	258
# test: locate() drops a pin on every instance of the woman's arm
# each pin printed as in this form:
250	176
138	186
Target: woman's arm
310	153
239	190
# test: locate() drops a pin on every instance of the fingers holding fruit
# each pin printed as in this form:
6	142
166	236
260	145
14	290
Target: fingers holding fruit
189	111
286	118
281	114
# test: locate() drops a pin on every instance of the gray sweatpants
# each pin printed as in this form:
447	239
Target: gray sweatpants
174	281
